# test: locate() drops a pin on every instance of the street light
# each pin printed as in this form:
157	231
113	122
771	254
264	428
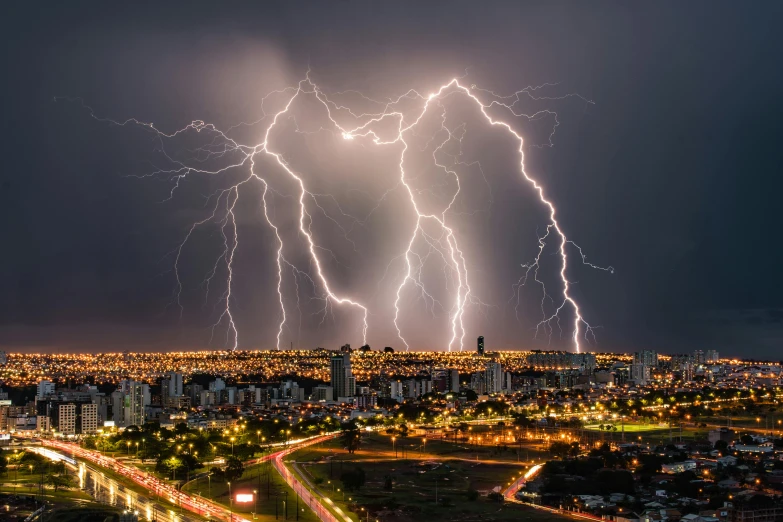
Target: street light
394	446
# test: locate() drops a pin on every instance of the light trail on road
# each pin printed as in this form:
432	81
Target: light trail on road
197	504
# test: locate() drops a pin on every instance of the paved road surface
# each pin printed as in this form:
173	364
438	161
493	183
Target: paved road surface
196	504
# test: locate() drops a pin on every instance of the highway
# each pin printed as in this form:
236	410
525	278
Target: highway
314	502
511	492
194	504
109	491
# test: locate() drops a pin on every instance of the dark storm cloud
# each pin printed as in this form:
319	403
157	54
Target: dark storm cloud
673	176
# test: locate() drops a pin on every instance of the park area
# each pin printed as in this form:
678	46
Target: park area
272	498
415	480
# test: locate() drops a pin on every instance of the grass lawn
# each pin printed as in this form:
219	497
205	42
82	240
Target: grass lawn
271	494
413	495
97	513
631	427
50	494
452	467
379	446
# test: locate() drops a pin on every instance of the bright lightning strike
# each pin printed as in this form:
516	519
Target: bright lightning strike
433	229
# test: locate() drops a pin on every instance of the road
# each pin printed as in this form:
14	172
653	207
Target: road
194	504
108	490
511	492
304	491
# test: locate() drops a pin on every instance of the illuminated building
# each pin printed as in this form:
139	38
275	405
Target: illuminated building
45	388
323	393
493	378
341	375
480	347
646	357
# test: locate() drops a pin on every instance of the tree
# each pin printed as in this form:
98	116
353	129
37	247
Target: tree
351	436
721	445
35	460
234	469
353	480
559	449
61	480
57	468
171	464
388	482
574	449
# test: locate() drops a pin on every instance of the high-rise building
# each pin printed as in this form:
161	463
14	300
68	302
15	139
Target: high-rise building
396	391
323	393
712	356
45	388
454	381
135	399
175	387
342	380
67	416
640	374
698	357
477	383
561	360
66	419
480	347
648	358
445	380
493	379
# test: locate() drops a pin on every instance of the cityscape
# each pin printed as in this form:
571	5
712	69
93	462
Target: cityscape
690	436
392	261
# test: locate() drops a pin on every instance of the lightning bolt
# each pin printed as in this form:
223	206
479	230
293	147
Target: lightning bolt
432	228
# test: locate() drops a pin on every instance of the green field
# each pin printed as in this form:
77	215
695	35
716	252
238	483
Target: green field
416	485
376	446
96	513
271	494
454	469
631	428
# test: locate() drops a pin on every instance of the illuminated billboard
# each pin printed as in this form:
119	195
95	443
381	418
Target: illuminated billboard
243	498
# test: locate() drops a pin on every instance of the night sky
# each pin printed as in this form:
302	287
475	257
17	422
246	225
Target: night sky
672	176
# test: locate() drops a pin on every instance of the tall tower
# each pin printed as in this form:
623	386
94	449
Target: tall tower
493	377
480	349
341	374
